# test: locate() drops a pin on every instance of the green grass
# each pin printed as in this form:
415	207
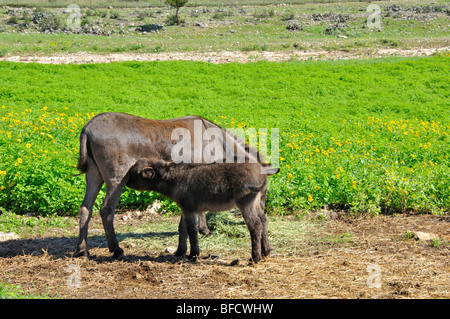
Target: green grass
239	28
364	135
151	3
31	225
287	235
8	291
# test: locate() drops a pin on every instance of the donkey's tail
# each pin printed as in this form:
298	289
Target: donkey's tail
82	160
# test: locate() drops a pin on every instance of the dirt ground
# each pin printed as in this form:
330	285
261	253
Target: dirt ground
344	258
224	56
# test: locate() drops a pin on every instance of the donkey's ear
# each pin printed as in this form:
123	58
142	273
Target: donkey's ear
148	172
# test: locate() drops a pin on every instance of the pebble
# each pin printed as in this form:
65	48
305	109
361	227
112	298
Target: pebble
8	236
418	235
170	250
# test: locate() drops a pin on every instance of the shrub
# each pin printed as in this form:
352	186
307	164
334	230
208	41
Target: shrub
26	19
177	4
47	21
13	20
288	16
115	15
173	19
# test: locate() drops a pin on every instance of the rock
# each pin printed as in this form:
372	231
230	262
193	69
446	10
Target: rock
146	264
294	25
130	245
14	12
170	250
330	29
418	235
154	207
201	25
320	16
38	16
394	8
8	236
326	214
342	36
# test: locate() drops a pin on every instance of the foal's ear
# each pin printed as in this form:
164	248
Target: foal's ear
148	172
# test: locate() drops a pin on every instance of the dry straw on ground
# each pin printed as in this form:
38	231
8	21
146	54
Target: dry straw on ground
333	264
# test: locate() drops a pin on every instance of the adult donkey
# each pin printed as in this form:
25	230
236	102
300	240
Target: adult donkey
111	143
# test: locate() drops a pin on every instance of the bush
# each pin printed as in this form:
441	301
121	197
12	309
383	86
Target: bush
84	21
173	19
264	14
288	16
26	19
13	20
177	4
46	20
115	15
38	15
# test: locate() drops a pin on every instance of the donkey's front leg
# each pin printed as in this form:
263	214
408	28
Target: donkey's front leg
192	230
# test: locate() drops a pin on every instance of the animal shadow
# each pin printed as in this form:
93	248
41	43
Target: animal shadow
63	247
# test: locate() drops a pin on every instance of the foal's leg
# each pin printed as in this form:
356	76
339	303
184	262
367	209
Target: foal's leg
188	227
191	224
250	212
182	237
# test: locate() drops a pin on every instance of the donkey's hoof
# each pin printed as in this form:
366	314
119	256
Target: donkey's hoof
119	255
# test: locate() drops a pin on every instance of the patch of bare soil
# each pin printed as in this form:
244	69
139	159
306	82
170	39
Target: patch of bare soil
347	258
223	56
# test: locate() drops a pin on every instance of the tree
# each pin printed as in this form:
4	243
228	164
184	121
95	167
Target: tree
177	4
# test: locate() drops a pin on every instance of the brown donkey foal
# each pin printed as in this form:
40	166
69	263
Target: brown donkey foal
209	187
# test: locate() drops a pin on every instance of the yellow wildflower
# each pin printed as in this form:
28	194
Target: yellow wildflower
19	161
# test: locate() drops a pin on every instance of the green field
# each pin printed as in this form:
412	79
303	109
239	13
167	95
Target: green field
368	136
152	3
214	27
